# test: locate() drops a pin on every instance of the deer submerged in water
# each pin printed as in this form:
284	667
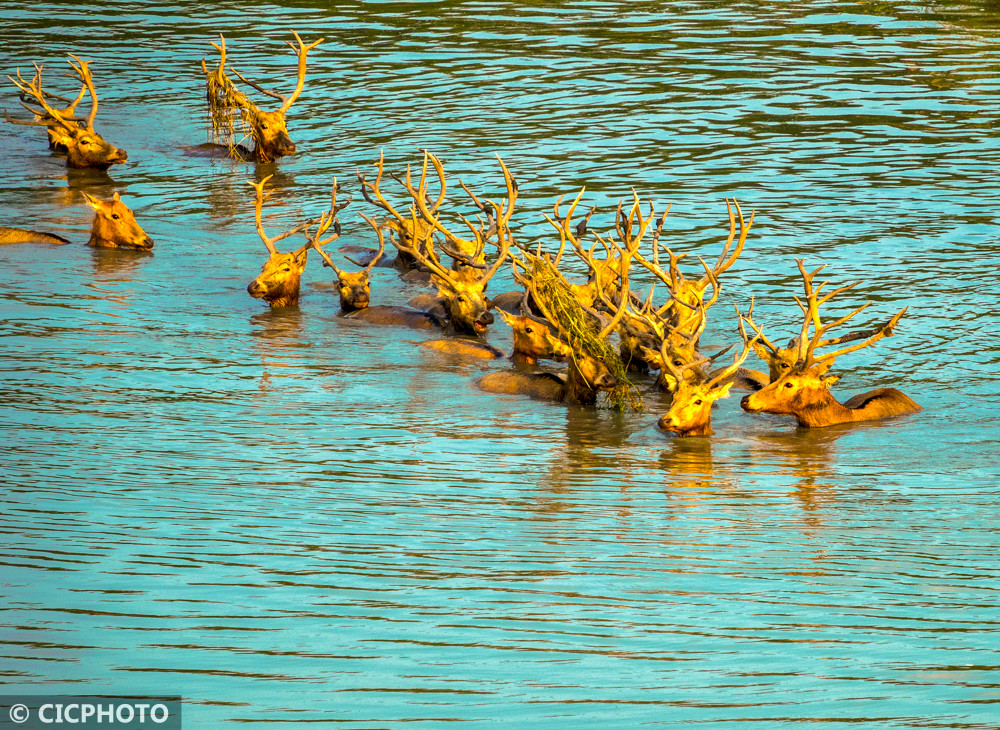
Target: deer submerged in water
83	146
803	391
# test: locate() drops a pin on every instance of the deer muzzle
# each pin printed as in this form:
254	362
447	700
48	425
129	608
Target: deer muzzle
483	321
747	404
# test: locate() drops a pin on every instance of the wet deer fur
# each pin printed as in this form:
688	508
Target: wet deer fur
84	147
804	390
114	226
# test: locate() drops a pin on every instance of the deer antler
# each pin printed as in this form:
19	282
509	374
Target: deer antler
723	263
33	88
83	72
269	241
566	233
301	52
807	345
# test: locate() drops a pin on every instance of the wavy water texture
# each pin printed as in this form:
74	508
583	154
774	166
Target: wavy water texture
286	517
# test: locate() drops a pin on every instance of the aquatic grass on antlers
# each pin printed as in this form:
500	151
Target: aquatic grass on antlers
558	301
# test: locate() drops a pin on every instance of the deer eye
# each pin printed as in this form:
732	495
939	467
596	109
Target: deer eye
678	363
528	331
788	385
263	126
116	216
286	268
698	402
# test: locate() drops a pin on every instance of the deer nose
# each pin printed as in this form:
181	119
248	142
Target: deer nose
745	403
607	381
147	243
485	318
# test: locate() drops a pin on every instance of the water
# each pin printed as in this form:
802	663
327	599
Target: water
285	517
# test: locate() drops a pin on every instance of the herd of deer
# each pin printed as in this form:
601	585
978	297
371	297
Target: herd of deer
551	317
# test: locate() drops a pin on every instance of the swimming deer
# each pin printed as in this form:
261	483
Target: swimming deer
114	226
804	390
24	235
589	372
688	294
266	129
279	278
462	289
690	412
84	147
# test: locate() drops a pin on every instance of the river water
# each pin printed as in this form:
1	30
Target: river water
285	517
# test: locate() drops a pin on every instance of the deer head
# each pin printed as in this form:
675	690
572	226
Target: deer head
84	147
114	226
690	413
534	339
803	390
354	287
463	290
278	281
267	129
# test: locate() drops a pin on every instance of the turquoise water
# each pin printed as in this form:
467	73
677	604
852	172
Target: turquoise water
286	517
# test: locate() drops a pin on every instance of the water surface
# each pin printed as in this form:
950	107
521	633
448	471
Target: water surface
285	517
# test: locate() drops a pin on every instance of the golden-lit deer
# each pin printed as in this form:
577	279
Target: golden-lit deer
114	226
687	295
24	235
354	287
84	147
804	390
280	276
412	232
266	129
583	329
462	289
690	412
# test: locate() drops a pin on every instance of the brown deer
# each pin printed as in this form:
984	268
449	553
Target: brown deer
462	289
690	412
804	390
589	352
266	129
23	235
279	278
412	232
84	147
115	227
688	294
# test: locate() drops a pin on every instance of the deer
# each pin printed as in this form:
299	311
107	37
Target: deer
114	226
84	147
803	391
688	294
584	331
267	130
690	412
23	235
280	276
355	289
462	289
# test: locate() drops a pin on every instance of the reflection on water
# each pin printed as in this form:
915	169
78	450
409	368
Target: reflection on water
285	516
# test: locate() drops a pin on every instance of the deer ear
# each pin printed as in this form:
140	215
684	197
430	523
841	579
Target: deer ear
820	370
92	202
722	391
761	352
829	380
649	354
300	260
116	196
505	316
